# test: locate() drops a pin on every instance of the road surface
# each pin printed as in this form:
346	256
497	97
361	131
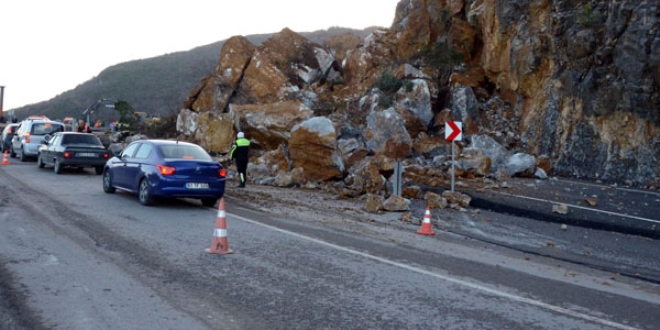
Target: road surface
73	257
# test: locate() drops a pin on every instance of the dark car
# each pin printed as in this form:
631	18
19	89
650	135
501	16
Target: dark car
72	149
7	135
155	169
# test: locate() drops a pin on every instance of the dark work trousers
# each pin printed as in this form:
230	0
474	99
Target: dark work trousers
241	166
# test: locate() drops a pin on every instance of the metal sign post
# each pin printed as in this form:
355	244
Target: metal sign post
2	98
398	171
453	132
452	166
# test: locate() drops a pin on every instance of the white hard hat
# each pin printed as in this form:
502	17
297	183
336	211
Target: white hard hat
240	135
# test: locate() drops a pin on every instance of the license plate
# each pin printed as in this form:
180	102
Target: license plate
196	185
86	154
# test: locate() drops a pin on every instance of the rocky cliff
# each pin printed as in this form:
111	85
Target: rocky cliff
543	87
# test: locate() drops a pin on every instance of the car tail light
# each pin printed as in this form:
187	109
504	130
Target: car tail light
166	170
68	154
27	137
105	155
222	172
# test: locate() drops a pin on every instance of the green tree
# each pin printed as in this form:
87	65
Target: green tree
126	115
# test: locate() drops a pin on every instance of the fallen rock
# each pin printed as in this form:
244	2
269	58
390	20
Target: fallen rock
435	201
591	201
412	192
396	204
373	203
454	197
560	208
408	217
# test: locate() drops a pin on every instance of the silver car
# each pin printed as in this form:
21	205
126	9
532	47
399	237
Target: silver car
27	140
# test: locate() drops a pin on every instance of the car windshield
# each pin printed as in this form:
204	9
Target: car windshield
181	151
46	128
80	139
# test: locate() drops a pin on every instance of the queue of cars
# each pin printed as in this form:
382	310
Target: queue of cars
151	169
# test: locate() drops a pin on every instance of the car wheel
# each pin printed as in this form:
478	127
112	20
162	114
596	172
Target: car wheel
99	170
144	193
209	202
40	162
107	183
23	157
57	167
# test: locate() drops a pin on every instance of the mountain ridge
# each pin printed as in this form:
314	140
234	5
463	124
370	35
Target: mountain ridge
157	85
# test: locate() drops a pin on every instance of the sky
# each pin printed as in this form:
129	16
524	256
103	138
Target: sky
48	47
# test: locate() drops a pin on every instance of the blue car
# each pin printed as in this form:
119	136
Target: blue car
155	169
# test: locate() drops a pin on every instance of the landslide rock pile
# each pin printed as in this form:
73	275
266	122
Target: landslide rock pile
541	87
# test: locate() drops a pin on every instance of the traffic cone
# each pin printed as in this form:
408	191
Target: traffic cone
5	159
219	244
426	224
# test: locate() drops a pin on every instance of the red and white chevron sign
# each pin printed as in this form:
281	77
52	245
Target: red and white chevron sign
453	131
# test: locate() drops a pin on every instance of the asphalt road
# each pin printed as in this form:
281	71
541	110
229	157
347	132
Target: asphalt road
73	257
628	210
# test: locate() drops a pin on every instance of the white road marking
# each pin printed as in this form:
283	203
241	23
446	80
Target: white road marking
612	187
457	281
580	207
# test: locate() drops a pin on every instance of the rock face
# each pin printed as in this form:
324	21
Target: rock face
581	80
543	87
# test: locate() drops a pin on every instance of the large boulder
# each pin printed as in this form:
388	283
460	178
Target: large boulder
387	135
519	164
215	91
269	125
284	65
489	147
417	96
313	147
215	131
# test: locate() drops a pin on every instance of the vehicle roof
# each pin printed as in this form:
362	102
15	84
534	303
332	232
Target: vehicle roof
159	142
34	117
9	126
48	121
72	133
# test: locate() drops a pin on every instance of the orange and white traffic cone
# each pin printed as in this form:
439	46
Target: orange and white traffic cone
426	224
5	159
219	244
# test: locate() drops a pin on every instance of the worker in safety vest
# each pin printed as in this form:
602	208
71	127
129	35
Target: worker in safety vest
239	151
83	127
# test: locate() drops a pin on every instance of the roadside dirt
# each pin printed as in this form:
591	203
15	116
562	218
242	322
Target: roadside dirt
303	203
318	202
323	205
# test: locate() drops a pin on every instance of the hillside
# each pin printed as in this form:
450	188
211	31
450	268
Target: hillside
155	85
540	88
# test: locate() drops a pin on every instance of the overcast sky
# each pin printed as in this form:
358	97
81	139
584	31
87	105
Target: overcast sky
48	47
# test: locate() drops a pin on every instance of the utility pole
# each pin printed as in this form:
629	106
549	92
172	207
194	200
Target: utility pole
2	99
